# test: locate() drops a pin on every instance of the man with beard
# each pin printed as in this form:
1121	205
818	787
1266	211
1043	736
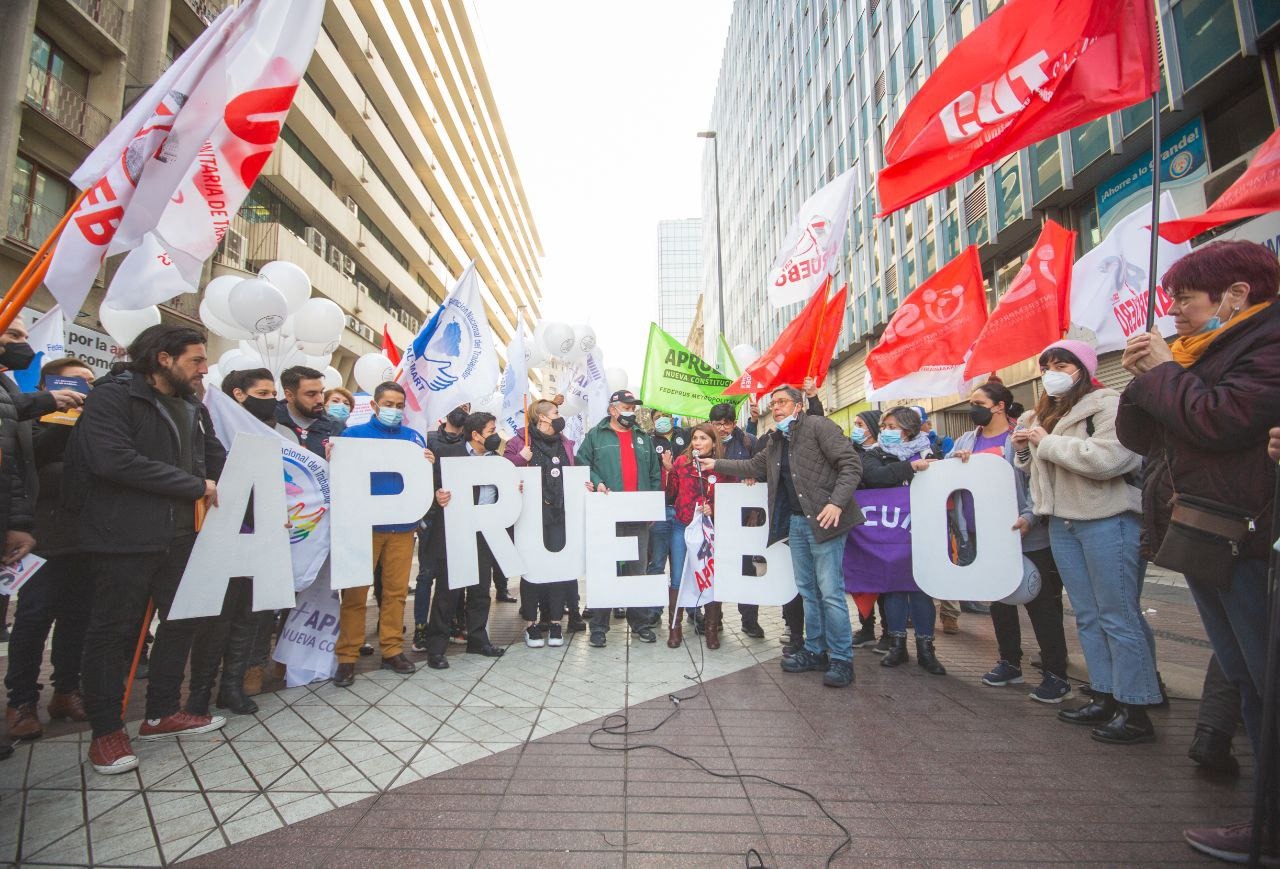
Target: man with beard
302	410
140	458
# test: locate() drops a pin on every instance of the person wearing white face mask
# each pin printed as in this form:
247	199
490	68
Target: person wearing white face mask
392	551
1081	480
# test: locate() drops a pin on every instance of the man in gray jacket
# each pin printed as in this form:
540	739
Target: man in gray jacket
812	470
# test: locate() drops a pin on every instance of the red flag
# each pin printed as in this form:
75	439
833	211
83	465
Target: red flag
1255	192
788	359
1033	69
1028	317
931	331
389	347
825	346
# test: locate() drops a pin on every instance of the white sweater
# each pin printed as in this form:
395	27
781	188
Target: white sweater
1078	476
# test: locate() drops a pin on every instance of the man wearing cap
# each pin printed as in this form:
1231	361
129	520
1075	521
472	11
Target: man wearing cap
623	459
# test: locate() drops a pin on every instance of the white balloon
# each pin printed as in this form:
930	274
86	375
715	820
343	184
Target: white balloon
319	322
217	293
332	378
239	360
616	378
124	326
558	339
534	355
319	363
744	354
571	407
289	359
258	306
372	369
221	327
290	280
214	378
317	348
585	337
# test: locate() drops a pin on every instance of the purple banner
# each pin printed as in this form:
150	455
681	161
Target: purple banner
877	554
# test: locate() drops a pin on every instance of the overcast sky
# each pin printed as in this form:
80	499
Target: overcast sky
601	103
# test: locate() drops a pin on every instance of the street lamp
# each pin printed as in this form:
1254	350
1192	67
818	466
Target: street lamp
715	156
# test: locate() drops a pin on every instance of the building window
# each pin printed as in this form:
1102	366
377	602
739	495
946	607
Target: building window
47	57
1009	192
313	162
1088	143
1266	14
1207	37
37	202
315	89
1046	167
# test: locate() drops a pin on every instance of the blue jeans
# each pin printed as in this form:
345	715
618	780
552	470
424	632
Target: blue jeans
820	581
1102	571
897	604
1236	621
662	547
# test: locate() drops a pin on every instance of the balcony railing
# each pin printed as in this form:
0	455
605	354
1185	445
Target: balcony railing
208	9
65	106
106	14
29	221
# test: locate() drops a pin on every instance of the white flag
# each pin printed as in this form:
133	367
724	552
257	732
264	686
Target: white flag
812	244
588	388
515	383
306	486
307	640
1109	283
452	360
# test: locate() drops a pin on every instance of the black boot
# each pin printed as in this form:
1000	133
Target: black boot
1129	726
897	653
1099	710
240	644
926	658
206	655
1211	750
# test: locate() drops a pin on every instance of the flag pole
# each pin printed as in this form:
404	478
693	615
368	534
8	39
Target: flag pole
34	271
1155	210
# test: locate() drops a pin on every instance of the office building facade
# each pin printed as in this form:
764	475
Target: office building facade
809	88
680	274
393	171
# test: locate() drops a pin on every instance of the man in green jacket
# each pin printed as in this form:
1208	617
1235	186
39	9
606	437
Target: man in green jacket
623	459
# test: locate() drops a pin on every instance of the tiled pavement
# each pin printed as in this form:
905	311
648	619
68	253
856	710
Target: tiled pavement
489	763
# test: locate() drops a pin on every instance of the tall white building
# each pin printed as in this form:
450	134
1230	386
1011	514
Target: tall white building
679	274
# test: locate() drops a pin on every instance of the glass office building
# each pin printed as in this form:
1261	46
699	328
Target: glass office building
809	88
680	274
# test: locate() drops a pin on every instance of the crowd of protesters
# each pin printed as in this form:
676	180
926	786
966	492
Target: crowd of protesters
1179	469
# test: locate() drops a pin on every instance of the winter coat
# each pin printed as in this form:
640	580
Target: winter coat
1211	421
600	450
687	489
1079	475
15	505
825	469
316	435
53	536
516	444
881	469
122	485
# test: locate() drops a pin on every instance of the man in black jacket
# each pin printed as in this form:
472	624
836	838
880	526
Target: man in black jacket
302	410
142	455
430	546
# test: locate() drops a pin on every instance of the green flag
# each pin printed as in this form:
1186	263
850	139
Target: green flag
727	362
677	381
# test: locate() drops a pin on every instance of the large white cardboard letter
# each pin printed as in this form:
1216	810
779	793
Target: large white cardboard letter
221	551
605	588
541	565
464	518
997	570
356	510
734	541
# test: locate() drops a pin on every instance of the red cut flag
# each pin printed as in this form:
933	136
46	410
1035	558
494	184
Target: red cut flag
788	359
1028	317
922	350
829	333
1033	69
389	349
1255	192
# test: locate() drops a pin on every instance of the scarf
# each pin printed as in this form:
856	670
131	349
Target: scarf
907	450
545	448
1188	349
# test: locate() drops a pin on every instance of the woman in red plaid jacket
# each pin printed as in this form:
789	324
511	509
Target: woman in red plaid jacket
692	492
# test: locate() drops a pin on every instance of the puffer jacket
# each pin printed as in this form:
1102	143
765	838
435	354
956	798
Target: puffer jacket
1078	475
824	467
16	511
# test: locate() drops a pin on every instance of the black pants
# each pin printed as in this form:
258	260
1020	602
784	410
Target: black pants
637	617
58	596
544	602
122	585
1219	701
1046	620
237	623
445	603
793	616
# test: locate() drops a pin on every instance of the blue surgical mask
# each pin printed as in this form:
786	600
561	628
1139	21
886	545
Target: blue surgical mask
890	436
390	416
663	425
1215	322
784	425
859	435
338	411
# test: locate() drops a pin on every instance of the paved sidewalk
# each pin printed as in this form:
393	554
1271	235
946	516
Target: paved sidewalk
489	763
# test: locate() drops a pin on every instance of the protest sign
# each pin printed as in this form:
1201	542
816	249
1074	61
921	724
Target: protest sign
697	574
470	512
307	643
540	564
736	541
877	554
605	549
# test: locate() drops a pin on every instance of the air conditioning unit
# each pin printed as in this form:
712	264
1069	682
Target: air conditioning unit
315	240
233	248
334	258
351	205
348	266
362	288
1223	177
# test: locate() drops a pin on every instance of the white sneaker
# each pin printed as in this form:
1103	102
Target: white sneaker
554	636
533	637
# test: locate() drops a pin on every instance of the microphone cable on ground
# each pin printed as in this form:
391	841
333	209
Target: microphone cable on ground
618	724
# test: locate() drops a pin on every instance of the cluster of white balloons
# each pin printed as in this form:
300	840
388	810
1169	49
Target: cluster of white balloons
275	320
554	341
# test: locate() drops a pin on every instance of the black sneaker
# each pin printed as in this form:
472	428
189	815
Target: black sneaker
458	637
619	612
576	623
597	639
366	650
554	636
1003	673
884	645
803	661
1051	690
753	630
839	674
419	638
865	636
533	637
645	634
